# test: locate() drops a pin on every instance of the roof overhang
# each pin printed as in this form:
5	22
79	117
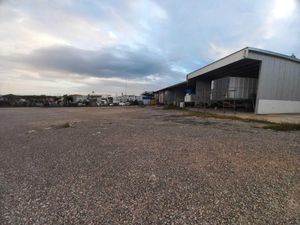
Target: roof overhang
234	58
178	85
239	55
270	53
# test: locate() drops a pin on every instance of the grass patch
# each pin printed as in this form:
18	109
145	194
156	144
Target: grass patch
219	116
268	124
283	126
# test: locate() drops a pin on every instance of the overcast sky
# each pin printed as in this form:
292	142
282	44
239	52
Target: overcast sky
77	46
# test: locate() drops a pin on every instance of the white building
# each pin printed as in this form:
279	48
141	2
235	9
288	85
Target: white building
127	98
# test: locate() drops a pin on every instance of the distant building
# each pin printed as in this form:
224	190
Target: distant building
94	97
78	98
148	98
127	98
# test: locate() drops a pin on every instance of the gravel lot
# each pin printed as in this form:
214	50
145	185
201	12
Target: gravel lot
135	165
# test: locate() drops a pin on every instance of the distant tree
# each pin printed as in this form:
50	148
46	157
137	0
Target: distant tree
67	100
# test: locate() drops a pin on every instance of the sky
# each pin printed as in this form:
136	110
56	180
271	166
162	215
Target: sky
57	47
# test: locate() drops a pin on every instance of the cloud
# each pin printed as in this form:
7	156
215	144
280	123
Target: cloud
217	52
118	61
281	14
61	69
84	45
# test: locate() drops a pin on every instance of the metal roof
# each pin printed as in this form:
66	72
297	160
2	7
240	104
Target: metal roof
234	57
274	54
173	86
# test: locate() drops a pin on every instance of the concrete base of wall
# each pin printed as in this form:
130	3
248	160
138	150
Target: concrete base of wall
265	106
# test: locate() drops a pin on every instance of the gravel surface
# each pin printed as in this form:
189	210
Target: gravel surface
135	165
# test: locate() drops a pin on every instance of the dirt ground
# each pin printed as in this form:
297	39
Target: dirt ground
136	165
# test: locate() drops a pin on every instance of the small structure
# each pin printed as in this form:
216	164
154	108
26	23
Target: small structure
148	98
236	92
241	88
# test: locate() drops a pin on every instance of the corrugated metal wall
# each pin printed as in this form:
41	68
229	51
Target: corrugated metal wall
234	88
220	88
279	78
203	89
168	97
173	96
242	87
161	97
178	96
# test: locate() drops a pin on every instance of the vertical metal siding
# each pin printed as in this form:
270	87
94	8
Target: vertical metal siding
234	88
203	89
279	78
173	96
161	97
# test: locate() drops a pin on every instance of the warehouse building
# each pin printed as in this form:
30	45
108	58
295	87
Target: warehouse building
256	80
269	80
172	95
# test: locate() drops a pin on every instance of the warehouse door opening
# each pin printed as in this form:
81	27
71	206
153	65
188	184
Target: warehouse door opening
231	87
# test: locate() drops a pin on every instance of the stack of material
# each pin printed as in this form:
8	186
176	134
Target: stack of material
241	88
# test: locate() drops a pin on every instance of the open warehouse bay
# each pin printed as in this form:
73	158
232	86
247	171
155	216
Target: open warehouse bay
135	165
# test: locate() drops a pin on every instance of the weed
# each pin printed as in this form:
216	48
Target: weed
64	125
219	116
269	124
283	126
